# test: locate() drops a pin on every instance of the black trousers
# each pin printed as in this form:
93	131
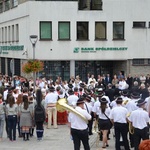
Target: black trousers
138	135
39	129
90	124
78	136
121	129
12	123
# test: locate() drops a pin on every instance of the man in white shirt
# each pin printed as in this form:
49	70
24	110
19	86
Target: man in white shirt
50	106
72	99
79	127
118	116
139	119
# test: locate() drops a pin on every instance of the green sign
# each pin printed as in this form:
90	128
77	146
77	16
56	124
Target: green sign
95	49
6	49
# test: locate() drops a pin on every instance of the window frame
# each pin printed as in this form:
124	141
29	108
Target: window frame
139	22
138	62
105	38
62	39
77	25
45	39
119	22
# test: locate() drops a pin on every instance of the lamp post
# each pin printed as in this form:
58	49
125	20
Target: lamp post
33	39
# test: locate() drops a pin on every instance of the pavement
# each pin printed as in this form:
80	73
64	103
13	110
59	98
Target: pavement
54	139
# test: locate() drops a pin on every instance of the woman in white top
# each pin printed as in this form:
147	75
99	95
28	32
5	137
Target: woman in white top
103	111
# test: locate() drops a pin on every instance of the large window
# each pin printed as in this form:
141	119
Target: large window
54	69
82	30
139	24
118	30
45	30
1	6
64	30
7	4
100	30
138	61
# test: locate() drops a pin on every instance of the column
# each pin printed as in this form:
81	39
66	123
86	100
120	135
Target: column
72	68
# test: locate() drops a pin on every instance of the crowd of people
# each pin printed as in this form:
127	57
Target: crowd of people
121	102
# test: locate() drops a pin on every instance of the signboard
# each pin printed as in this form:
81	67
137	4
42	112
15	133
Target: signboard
95	49
6	49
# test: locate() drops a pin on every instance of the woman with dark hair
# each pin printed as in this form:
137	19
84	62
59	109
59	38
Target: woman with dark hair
39	115
104	122
19	102
11	114
26	114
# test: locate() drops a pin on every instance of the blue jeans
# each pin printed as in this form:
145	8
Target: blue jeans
12	122
2	120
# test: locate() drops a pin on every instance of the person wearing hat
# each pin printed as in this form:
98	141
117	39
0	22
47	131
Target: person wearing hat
72	98
125	96
79	127
110	92
104	122
50	105
131	106
118	116
139	119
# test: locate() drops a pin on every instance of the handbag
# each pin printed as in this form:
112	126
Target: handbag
111	124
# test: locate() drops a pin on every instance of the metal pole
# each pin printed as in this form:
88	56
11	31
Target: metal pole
34	73
33	39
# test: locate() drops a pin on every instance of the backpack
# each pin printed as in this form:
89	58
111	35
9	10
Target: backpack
39	113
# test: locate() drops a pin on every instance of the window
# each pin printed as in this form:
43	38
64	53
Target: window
90	4
100	30
139	24
7	4
5	34
64	30
1	7
45	30
9	34
2	34
13	33
138	61
118	30
14	3
17	32
82	30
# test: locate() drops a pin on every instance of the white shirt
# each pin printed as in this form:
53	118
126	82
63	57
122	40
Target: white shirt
96	105
118	114
131	106
88	107
76	121
51	98
113	104
122	85
139	118
101	115
72	100
5	95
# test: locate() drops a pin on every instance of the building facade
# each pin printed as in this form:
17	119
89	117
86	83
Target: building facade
76	37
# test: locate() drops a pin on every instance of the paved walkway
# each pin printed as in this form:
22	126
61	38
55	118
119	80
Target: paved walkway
54	139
